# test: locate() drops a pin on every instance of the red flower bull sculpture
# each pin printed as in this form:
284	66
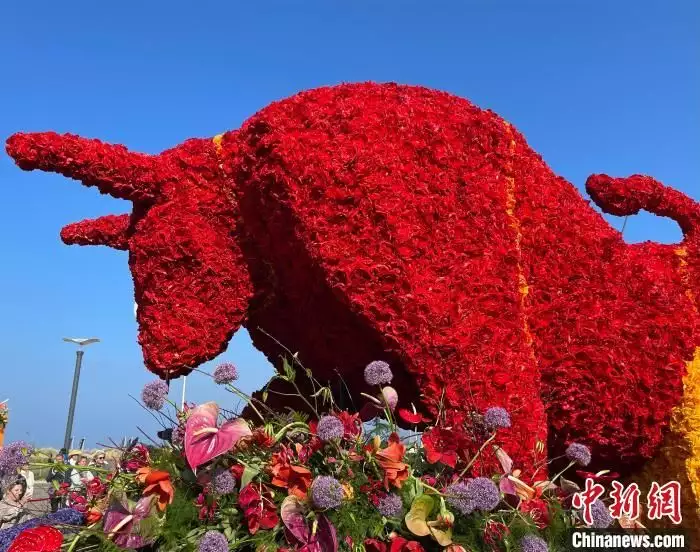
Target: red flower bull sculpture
376	221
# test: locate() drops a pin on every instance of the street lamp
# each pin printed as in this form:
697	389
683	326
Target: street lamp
80	342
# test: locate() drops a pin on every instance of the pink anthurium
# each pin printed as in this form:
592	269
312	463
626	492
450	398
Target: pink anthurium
319	537
204	440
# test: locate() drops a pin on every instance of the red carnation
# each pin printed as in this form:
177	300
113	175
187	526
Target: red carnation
37	539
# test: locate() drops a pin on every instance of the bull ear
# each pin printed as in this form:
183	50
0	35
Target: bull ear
192	284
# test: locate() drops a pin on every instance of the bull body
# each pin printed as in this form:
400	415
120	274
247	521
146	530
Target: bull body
368	221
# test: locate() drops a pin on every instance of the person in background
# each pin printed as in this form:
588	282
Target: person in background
74	474
12	506
29	478
85	473
57	474
99	460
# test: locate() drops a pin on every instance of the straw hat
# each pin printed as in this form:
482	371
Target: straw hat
75	452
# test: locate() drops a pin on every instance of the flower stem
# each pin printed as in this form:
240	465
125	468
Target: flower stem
481	449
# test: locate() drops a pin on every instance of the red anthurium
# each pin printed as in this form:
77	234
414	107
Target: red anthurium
37	539
412	417
604	476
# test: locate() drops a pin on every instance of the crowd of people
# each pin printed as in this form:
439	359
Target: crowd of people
69	472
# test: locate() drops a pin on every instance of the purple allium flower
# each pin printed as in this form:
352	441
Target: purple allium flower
330	428
14	456
390	505
225	373
223	482
391	397
458	498
578	453
496	418
378	372
213	541
327	492
154	394
483	494
602	519
533	543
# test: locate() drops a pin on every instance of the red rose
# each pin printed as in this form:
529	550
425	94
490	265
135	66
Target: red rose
37	539
95	487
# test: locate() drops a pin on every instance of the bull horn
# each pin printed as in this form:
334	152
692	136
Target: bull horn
110	230
113	169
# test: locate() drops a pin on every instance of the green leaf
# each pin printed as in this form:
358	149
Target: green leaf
289	372
248	475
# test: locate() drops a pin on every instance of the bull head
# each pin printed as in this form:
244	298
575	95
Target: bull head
166	256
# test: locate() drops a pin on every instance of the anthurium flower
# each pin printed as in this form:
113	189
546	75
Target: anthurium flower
417	520
157	483
417	517
122	523
204	440
320	536
412	417
37	539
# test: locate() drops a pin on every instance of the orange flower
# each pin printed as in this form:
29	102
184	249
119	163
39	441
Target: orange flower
296	479
93	516
389	459
157	483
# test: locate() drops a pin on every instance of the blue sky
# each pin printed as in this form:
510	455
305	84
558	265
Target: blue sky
595	86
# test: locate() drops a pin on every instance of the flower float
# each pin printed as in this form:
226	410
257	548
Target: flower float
377	220
326	483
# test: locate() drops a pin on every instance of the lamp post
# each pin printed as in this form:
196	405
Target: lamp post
80	342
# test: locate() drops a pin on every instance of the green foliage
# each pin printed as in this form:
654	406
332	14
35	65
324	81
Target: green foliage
182	516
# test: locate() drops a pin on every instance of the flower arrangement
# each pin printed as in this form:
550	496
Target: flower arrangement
327	482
